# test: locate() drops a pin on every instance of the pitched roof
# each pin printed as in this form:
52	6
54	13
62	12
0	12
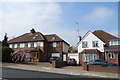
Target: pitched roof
112	48
53	37
104	36
90	51
28	37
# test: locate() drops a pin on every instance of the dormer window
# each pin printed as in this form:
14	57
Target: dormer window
114	42
53	38
35	36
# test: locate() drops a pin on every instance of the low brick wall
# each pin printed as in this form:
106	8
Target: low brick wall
58	64
110	69
100	68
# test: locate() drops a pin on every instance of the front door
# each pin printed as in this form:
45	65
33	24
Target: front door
35	56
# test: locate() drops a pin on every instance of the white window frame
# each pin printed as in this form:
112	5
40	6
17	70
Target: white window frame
54	44
84	44
95	44
32	44
111	55
26	44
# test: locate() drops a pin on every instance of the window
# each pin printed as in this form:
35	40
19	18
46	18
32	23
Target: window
84	44
22	45
18	45
39	44
90	56
13	45
26	44
95	43
111	55
10	45
54	44
32	44
114	42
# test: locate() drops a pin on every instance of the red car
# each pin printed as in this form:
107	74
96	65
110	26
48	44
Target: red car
72	62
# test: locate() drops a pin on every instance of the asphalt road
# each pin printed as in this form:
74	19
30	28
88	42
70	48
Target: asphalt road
19	74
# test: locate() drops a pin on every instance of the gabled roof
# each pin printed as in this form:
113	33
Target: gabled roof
104	36
53	37
28	37
90	51
86	36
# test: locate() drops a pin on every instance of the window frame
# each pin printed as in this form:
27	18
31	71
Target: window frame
84	44
111	55
95	44
54	44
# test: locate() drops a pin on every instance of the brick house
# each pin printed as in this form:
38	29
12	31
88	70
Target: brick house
96	45
39	47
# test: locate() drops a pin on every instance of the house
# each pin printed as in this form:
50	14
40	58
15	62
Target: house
40	47
96	45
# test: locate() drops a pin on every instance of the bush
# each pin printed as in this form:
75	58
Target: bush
5	53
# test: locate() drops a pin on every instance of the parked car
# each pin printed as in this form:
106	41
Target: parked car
71	62
54	59
101	62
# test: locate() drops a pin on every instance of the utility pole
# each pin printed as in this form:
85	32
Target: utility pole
78	28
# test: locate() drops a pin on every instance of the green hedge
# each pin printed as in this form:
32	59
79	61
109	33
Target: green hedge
5	54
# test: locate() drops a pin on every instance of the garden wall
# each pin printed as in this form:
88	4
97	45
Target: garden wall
100	68
58	64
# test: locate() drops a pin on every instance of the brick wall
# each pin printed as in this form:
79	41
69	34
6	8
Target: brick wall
110	69
99	68
58	64
113	60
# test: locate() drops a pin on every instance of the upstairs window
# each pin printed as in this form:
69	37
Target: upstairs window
95	43
18	45
32	44
13	45
84	44
26	44
54	44
111	55
114	42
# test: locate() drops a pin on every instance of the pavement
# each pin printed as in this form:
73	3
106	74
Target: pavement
69	70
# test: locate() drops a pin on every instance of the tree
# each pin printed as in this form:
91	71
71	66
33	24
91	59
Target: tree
5	54
4	42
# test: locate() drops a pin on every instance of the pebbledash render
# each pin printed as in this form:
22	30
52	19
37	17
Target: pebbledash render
40	47
99	45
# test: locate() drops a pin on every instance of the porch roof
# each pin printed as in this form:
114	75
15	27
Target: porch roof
90	51
112	48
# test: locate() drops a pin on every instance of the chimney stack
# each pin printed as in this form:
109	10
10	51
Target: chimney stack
32	31
79	38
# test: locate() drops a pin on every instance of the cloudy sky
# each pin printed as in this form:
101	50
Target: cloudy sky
17	18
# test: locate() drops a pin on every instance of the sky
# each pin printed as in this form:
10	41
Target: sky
61	18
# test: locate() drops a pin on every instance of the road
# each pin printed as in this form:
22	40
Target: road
18	73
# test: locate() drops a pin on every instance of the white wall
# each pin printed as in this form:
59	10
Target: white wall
89	38
75	56
65	47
